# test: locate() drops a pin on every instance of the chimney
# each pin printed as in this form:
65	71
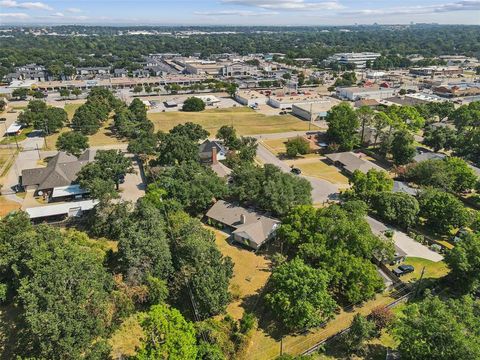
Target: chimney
243	219
214	155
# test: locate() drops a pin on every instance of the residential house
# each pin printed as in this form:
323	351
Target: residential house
212	151
427	155
248	227
58	176
350	162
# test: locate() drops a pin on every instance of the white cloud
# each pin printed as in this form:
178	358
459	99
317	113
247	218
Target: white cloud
73	10
466	5
15	15
58	14
234	13
288	4
25	5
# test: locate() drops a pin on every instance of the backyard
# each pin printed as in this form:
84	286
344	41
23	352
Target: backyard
246	121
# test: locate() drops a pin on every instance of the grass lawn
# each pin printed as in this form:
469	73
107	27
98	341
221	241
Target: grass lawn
245	120
250	273
6	206
70	109
276	146
315	167
433	270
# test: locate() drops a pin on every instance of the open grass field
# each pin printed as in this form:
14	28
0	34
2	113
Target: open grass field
246	121
250	272
315	167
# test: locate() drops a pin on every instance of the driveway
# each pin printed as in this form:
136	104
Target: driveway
134	186
411	247
322	190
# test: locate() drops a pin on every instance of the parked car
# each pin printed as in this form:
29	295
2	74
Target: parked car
296	171
403	269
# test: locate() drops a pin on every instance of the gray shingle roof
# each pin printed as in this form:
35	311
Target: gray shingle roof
62	170
256	228
352	162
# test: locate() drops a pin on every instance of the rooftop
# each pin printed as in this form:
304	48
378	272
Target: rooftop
352	162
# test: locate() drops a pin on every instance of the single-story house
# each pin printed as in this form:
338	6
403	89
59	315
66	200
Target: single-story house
249	227
212	151
61	172
350	162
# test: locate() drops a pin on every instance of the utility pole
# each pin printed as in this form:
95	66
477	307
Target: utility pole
418	282
281	346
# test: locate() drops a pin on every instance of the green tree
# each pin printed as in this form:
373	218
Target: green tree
63	295
269	188
396	208
464	263
342	126
298	295
296	146
20	93
194	186
193	104
201	267
194	132
366	186
72	142
403	148
3	104
228	134
174	149
102	176
168	335
442	330
361	330
77	92
64	93
366	116
440	138
143	249
442	211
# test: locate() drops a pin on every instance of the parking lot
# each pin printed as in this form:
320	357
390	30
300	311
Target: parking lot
158	103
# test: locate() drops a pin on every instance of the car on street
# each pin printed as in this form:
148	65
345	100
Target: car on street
296	171
403	270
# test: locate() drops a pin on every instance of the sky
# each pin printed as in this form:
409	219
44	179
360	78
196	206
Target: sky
239	12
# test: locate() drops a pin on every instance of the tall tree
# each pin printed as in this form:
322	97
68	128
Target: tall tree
403	148
298	295
342	126
72	142
168	335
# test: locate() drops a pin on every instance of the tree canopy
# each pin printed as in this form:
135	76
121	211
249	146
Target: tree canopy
342	126
72	142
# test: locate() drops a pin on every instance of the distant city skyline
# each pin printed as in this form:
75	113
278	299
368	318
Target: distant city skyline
239	12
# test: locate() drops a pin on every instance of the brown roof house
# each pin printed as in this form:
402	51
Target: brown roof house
249	227
350	162
61	172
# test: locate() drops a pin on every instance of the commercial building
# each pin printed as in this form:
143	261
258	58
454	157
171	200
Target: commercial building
209	100
238	69
314	111
457	90
358	59
436	71
358	93
287	100
203	68
250	97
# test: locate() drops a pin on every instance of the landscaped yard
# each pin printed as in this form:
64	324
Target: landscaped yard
315	167
433	270
246	121
250	272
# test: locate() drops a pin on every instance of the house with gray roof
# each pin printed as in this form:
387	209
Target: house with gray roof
350	162
402	187
211	151
248	227
427	155
61	171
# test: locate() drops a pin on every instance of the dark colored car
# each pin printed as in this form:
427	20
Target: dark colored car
403	269
296	171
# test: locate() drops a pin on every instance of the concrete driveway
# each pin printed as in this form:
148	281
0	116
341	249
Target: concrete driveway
322	190
411	247
134	186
